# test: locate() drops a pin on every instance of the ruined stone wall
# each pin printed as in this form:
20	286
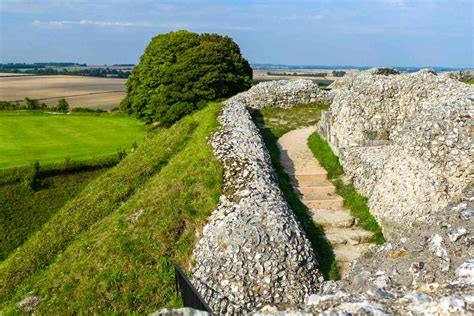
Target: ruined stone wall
253	251
429	271
405	139
411	160
282	93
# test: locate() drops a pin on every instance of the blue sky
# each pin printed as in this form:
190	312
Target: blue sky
319	32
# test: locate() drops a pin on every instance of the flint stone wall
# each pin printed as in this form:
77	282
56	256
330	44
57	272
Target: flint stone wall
253	251
253	256
405	139
282	93
429	271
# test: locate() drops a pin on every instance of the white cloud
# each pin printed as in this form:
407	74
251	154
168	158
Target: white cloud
59	24
124	24
111	23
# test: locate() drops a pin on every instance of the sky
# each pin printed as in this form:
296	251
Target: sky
295	32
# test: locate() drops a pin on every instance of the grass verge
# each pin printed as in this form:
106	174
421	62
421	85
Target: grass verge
118	259
353	201
274	123
280	121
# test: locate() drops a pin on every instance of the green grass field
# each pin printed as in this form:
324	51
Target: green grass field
29	136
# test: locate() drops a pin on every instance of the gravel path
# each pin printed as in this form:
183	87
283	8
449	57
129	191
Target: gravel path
318	194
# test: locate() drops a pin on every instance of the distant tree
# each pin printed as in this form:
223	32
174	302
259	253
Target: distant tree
386	71
63	106
338	73
31	104
180	72
6	105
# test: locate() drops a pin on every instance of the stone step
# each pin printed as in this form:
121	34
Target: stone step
315	187
343	236
316	176
347	253
333	217
315	183
326	201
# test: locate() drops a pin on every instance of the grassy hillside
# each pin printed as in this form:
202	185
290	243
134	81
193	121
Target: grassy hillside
109	250
24	210
30	136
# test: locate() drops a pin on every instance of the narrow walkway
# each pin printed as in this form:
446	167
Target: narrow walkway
318	194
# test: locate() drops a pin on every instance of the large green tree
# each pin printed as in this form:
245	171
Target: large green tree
179	72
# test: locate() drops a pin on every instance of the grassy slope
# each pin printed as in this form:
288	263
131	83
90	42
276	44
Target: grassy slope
23	210
353	201
29	136
112	262
274	123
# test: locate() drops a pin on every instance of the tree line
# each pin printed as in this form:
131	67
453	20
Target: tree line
33	104
316	74
37	65
88	72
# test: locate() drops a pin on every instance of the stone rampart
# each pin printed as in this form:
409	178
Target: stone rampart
253	251
405	139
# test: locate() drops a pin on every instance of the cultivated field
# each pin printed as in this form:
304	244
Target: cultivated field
262	74
7	74
87	92
30	136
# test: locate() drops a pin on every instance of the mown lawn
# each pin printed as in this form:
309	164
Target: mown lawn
29	136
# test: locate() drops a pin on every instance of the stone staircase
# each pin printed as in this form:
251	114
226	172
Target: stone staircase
318	194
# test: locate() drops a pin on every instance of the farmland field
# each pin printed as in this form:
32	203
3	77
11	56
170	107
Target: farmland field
87	92
9	74
261	74
30	136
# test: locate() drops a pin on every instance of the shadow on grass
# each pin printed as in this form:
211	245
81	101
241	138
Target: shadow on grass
313	231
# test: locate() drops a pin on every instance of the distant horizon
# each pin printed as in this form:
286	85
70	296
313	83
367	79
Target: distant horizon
269	65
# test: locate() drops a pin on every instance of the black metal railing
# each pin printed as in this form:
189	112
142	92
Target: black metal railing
191	297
